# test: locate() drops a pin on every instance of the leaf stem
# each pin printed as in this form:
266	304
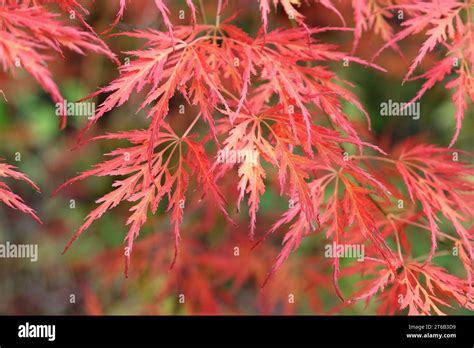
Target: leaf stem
445	235
397	238
191	126
378	158
203	12
218	14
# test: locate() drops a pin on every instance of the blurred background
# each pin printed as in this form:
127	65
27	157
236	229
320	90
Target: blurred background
89	278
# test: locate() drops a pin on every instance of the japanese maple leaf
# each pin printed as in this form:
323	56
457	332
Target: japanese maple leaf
248	136
244	138
354	207
190	66
162	8
70	7
437	179
147	181
28	35
422	289
443	22
11	199
373	15
437	16
439	184
290	10
281	55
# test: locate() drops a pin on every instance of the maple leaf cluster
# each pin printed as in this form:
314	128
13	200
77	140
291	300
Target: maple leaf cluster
272	100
